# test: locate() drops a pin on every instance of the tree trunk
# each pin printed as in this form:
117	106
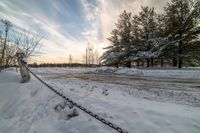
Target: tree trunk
180	54
3	52
174	60
117	65
161	62
152	62
128	64
142	62
180	42
138	63
147	62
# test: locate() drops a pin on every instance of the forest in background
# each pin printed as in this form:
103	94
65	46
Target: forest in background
151	39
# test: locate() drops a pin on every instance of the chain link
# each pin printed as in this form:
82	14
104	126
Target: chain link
108	123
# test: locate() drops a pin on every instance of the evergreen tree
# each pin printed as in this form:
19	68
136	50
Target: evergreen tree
121	40
182	24
173	35
113	54
161	32
124	27
146	21
136	40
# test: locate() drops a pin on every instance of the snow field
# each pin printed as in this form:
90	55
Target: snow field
26	108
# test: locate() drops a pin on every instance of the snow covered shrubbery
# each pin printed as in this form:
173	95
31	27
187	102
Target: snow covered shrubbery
126	71
129	71
106	70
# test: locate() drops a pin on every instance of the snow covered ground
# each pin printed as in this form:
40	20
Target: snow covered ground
135	102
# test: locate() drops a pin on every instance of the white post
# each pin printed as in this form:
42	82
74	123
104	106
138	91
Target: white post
23	70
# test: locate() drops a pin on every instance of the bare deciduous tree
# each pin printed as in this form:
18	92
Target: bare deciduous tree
10	42
92	56
6	28
10	54
96	55
28	41
70	59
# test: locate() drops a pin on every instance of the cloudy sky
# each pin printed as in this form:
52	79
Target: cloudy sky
68	25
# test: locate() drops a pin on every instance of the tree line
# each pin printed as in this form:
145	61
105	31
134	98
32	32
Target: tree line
91	56
61	65
148	38
13	39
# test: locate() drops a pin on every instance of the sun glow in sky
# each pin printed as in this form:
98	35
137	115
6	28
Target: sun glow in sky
68	25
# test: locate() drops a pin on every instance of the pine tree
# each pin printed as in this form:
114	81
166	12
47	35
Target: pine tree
173	35
121	41
124	27
161	32
113	53
135	40
182	21
146	21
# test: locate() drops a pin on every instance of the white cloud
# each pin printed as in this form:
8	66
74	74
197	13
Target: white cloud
102	18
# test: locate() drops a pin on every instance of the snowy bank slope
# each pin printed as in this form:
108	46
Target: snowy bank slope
26	108
23	106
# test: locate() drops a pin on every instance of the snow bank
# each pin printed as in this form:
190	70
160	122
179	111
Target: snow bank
106	70
176	73
173	73
22	106
29	107
129	71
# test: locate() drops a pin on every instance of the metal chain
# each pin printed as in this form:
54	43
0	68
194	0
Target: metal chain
104	121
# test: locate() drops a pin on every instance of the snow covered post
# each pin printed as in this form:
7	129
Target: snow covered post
23	70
